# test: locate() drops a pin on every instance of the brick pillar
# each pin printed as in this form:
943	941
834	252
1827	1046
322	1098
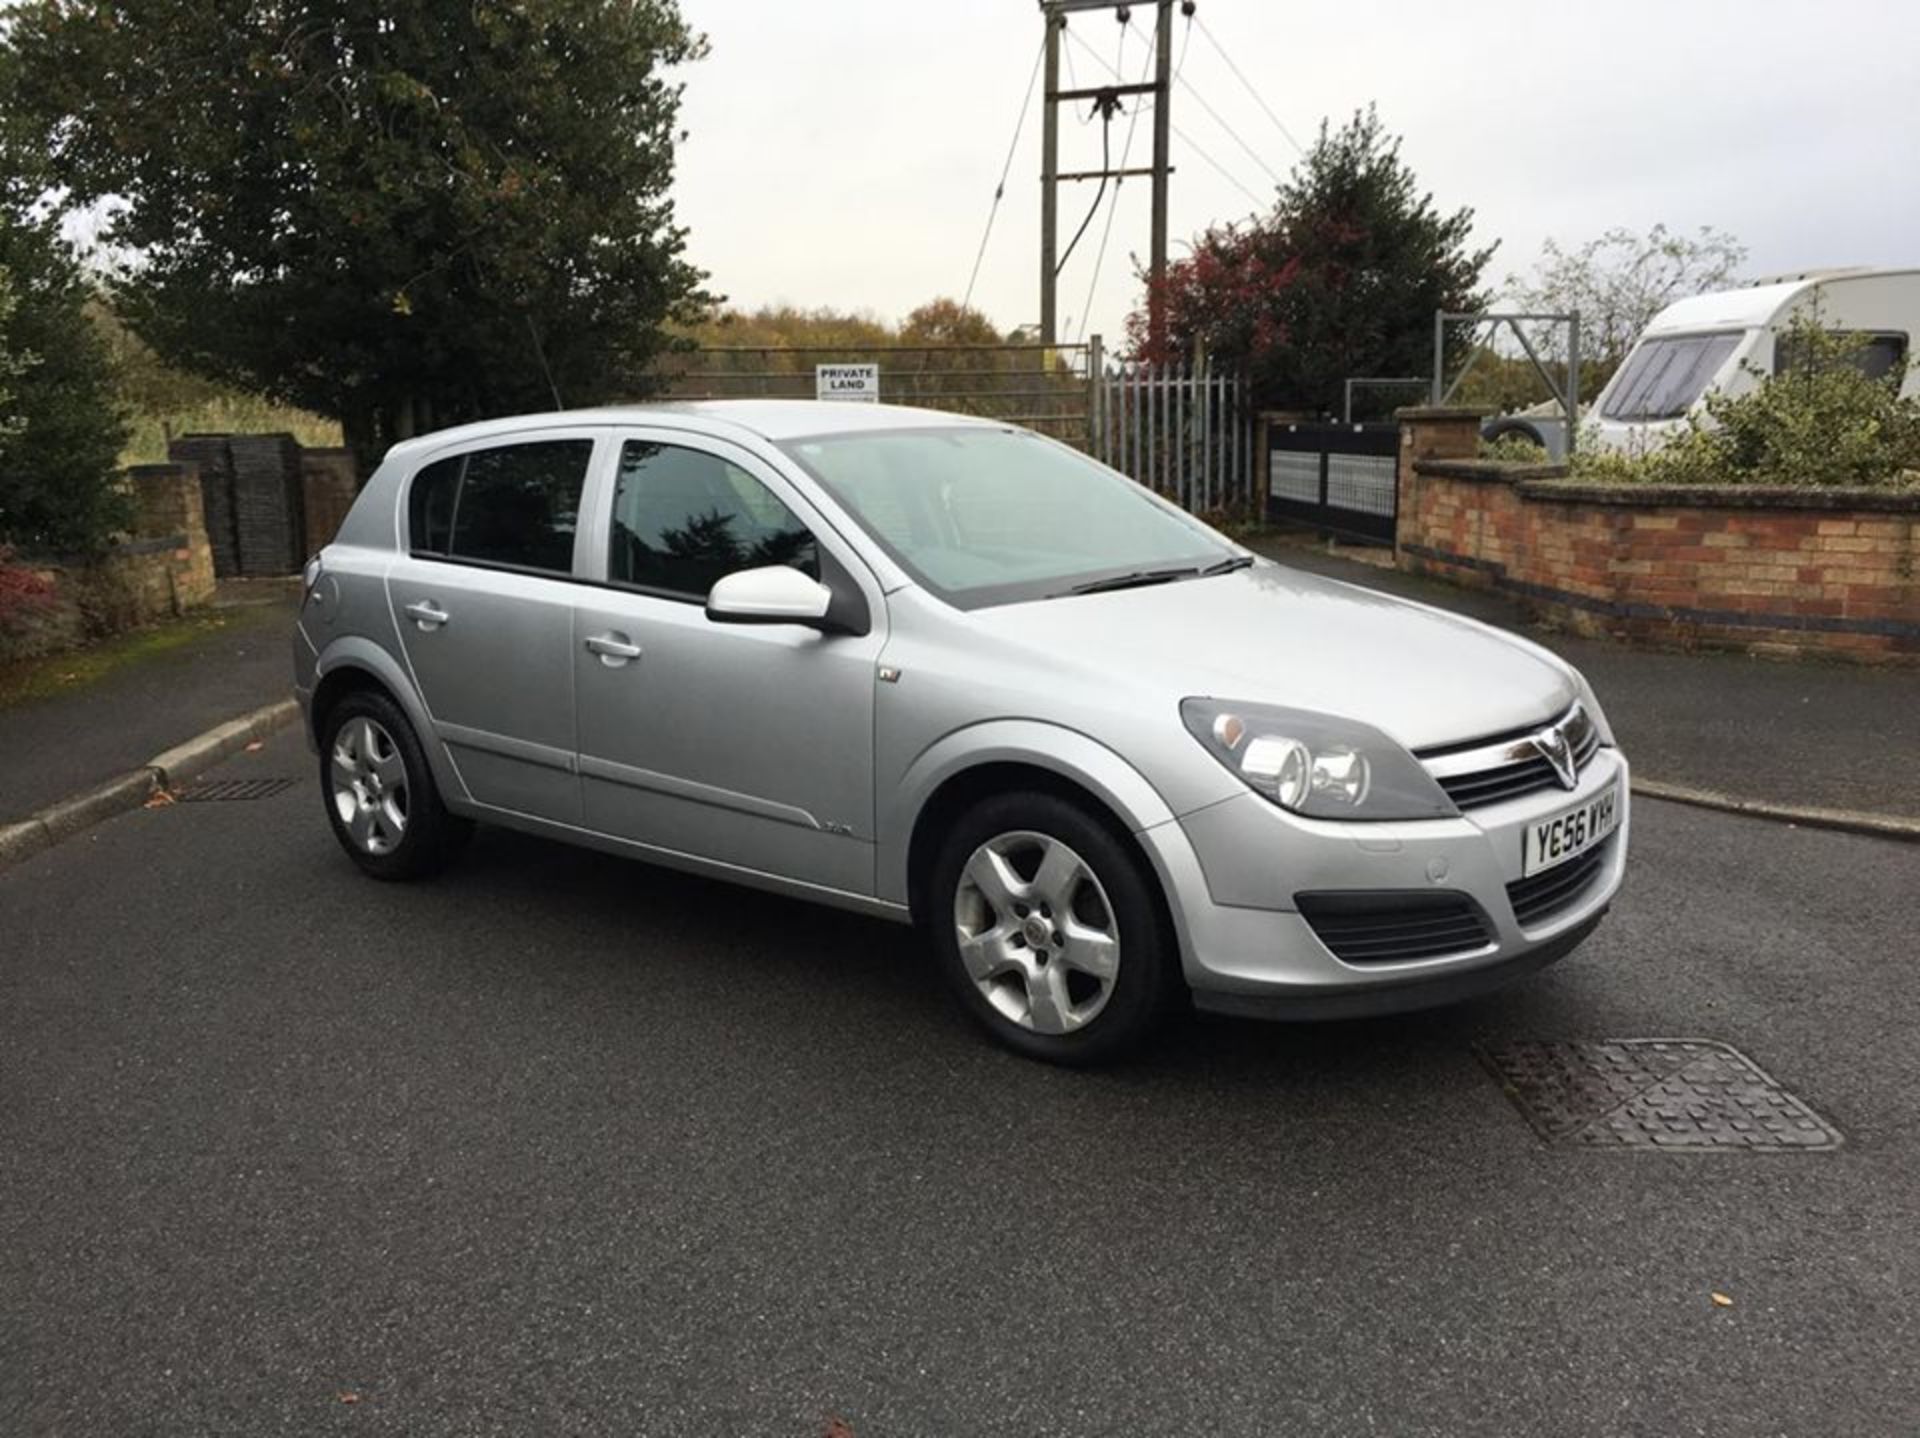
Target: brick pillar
171	508
1430	432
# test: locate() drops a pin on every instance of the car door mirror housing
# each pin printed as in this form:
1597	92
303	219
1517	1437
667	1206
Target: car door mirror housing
775	594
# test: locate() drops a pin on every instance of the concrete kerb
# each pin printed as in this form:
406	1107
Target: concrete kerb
126	791
1846	821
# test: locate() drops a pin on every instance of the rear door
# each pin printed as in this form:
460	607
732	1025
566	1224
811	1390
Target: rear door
746	744
483	602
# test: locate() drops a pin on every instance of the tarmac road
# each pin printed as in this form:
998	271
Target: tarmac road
564	1144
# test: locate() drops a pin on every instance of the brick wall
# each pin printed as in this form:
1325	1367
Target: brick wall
1815	571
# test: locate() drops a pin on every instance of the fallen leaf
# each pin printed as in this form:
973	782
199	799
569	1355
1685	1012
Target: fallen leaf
349	1397
839	1428
158	799
1720	1300
256	746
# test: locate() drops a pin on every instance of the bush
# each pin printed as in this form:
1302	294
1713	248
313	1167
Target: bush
59	488
1821	422
1514	448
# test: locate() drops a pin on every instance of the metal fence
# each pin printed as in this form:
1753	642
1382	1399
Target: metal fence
1184	430
1044	387
1340	478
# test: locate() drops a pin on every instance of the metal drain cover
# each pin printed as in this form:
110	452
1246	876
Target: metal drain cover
209	791
1679	1094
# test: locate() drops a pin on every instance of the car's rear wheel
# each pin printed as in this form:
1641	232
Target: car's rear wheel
381	799
1048	927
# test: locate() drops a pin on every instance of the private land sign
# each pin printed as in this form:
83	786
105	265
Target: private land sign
857	382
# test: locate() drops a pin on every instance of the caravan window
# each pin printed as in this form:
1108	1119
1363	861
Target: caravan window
1877	356
1663	377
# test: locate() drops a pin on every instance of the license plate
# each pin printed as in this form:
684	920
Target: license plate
1569	834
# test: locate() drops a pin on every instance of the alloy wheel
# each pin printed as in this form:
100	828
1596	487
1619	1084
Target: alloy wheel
1036	933
368	778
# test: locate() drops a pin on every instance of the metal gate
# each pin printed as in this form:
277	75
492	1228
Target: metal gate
1183	430
1339	478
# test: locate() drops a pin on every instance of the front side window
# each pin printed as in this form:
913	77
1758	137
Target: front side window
1663	377
517	505
684	519
990	516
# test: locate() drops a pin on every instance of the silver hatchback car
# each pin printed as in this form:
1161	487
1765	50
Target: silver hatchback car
944	671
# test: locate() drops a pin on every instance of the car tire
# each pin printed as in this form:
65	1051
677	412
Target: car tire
379	792
1048	925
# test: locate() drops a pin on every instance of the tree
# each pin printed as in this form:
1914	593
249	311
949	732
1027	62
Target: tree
401	216
1341	279
1620	281
59	487
948	322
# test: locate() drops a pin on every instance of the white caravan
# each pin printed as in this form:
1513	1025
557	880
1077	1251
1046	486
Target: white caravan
1722	341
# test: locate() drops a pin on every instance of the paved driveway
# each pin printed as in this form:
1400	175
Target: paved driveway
565	1144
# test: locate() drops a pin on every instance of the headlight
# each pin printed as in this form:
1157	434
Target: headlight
1315	764
1592	706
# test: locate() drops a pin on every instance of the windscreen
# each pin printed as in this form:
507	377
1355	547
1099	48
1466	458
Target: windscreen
985	516
1663	377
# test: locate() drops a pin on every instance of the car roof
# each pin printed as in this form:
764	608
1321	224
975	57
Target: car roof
776	420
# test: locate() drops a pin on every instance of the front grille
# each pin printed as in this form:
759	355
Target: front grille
1513	769
1373	927
1539	898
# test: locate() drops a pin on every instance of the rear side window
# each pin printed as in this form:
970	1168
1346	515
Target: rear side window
517	505
684	519
1662	378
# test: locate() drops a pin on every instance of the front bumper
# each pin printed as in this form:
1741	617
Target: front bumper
1232	869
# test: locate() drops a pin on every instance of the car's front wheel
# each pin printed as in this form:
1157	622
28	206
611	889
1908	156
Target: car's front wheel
381	799
1047	926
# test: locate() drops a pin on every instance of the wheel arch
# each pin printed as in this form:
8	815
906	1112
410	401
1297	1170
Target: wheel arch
353	665
974	763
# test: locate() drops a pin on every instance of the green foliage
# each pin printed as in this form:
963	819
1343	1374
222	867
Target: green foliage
1823	422
1341	279
1513	448
399	216
1618	283
59	491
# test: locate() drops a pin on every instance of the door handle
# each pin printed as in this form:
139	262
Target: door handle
613	649
427	614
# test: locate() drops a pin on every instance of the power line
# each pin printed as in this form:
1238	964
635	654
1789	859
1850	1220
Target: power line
1191	143
1000	190
1258	99
1232	134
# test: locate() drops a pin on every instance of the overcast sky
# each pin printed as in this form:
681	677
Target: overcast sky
845	152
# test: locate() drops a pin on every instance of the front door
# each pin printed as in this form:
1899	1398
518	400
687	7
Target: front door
483	602
748	745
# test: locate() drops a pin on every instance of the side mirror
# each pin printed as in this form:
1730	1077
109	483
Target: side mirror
773	595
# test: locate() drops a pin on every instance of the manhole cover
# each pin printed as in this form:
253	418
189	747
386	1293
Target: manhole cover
214	790
1686	1094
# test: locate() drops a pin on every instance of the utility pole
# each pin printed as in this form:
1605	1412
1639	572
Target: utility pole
1050	180
1055	13
1162	133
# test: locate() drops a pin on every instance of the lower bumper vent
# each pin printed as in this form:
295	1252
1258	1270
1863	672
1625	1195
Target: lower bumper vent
1543	896
1391	927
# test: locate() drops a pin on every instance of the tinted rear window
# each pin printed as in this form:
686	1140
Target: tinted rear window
517	505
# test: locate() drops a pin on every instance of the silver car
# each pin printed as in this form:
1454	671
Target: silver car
944	671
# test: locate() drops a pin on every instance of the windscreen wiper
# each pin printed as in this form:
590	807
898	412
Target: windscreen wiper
1141	577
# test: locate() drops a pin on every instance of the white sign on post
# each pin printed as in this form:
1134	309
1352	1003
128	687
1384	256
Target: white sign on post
857	382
